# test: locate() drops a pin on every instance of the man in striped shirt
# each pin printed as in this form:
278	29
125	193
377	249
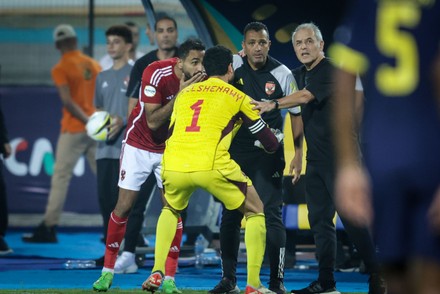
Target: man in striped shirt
144	144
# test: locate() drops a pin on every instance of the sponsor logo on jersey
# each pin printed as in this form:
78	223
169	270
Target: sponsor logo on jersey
149	91
269	88
41	158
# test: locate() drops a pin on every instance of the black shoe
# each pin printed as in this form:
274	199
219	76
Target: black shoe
316	287
41	234
140	260
347	267
277	287
225	286
99	261
377	284
4	248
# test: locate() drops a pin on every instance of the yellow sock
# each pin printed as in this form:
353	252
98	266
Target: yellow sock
165	231
255	239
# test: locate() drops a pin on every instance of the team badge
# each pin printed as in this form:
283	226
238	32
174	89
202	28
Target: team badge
269	88
126	80
123	174
87	74
149	91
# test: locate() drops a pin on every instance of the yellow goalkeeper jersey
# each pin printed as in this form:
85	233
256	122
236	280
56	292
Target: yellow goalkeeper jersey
205	117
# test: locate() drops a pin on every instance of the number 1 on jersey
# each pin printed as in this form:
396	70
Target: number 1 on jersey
195	118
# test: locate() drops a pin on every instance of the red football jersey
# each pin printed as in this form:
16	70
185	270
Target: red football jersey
159	86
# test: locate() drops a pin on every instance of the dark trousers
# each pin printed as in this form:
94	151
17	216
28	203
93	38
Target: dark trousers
107	174
3	203
265	171
319	198
132	236
108	193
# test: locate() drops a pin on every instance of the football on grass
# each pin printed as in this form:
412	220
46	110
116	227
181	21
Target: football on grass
97	126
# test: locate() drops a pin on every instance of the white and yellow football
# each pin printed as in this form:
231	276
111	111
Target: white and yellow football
97	125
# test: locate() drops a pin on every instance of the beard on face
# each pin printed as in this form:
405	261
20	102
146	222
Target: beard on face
171	48
187	75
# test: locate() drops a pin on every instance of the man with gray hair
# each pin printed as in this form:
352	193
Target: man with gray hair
315	79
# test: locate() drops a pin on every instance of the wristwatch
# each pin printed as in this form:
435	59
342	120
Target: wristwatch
277	103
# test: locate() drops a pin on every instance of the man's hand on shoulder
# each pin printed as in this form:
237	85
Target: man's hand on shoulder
263	105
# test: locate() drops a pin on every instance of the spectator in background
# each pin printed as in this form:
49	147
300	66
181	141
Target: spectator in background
111	86
165	32
166	37
74	76
106	61
5	151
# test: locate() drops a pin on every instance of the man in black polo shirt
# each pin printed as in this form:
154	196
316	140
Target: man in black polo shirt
165	30
261	77
315	79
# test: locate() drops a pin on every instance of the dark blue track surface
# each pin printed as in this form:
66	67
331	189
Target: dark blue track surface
41	266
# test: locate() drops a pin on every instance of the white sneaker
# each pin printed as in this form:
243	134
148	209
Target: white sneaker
126	264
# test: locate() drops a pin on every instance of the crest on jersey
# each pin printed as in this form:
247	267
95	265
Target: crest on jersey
126	80
87	74
269	88
149	91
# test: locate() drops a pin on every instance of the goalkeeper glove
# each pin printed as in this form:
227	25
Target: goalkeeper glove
278	134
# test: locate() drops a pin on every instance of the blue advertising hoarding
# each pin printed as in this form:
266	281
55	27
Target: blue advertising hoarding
33	117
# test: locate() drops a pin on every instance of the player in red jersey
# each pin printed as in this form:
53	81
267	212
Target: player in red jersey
144	143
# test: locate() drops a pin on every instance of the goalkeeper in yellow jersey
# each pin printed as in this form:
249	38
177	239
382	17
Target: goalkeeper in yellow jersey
196	155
